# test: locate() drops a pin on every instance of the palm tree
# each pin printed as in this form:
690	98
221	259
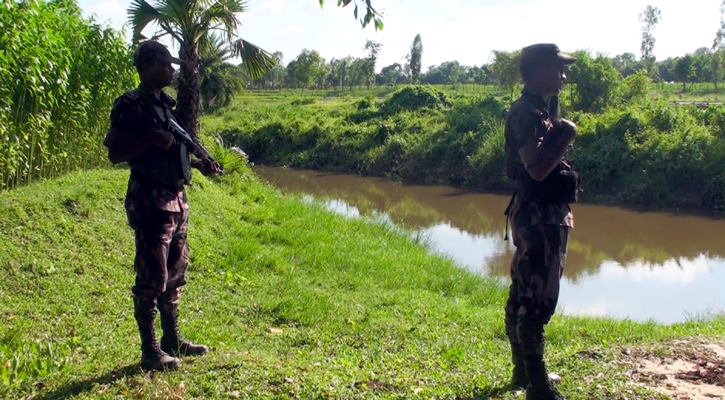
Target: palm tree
190	23
219	80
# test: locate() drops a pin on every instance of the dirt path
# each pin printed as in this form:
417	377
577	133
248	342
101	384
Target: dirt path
683	370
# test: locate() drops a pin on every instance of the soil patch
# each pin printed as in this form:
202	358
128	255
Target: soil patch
682	370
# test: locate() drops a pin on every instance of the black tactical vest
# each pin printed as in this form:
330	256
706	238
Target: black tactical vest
170	167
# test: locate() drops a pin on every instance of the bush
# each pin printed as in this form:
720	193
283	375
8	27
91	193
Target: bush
597	83
714	195
364	104
413	98
470	115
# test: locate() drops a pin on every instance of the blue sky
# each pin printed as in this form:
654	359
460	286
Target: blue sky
463	30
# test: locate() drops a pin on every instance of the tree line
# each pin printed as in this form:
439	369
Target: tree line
309	70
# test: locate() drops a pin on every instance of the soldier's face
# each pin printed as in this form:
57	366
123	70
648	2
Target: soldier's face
552	77
161	73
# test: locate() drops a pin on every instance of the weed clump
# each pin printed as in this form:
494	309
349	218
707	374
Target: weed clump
413	98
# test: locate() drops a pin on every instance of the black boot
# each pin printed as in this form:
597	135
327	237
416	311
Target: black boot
172	342
540	386
518	379
152	357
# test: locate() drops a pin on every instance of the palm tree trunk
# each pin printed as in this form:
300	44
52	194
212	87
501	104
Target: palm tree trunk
188	96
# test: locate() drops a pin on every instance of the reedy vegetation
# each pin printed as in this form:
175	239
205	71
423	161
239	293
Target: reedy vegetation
59	75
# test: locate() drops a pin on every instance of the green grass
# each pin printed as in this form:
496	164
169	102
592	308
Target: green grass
364	310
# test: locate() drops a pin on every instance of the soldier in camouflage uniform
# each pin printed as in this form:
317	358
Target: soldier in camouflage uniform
156	203
536	144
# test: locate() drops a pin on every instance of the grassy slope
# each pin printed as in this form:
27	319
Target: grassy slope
358	303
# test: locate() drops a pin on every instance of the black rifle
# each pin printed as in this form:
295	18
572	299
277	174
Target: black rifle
194	145
554	111
180	134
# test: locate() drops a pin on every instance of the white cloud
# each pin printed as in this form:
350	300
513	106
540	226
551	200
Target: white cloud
294	29
273	6
671	272
109	11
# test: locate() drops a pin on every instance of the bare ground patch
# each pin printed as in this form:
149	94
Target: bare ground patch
686	370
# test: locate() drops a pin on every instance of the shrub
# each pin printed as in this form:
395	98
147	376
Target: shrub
413	98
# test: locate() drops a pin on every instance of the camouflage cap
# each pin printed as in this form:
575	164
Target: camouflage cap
541	53
150	51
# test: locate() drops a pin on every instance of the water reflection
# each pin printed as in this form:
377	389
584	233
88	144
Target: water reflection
620	263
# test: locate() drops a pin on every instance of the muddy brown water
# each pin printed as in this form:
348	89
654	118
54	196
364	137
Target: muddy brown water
622	264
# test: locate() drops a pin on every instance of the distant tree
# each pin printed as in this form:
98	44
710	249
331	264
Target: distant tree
665	69
684	70
307	68
626	64
716	63
478	75
323	72
373	48
415	58
701	63
598	83
392	74
650	17
716	66
291	79
451	72
340	70
505	68
358	71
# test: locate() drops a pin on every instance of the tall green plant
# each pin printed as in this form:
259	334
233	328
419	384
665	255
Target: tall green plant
59	75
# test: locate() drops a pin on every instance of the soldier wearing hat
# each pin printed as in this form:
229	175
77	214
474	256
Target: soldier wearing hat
156	204
536	145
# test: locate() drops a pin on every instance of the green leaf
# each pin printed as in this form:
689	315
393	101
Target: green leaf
368	17
355	12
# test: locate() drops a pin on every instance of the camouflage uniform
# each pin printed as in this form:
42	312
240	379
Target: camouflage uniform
539	231
158	214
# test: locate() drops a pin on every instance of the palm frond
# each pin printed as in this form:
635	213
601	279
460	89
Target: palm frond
181	14
223	14
256	60
140	14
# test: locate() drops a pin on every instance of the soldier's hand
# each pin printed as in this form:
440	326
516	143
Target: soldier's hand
163	139
209	168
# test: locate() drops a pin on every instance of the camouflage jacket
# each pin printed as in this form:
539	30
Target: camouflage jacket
132	116
528	122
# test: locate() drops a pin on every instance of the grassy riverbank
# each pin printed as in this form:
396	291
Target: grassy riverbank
644	153
296	301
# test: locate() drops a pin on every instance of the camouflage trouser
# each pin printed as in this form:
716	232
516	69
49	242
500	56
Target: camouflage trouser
162	253
536	271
